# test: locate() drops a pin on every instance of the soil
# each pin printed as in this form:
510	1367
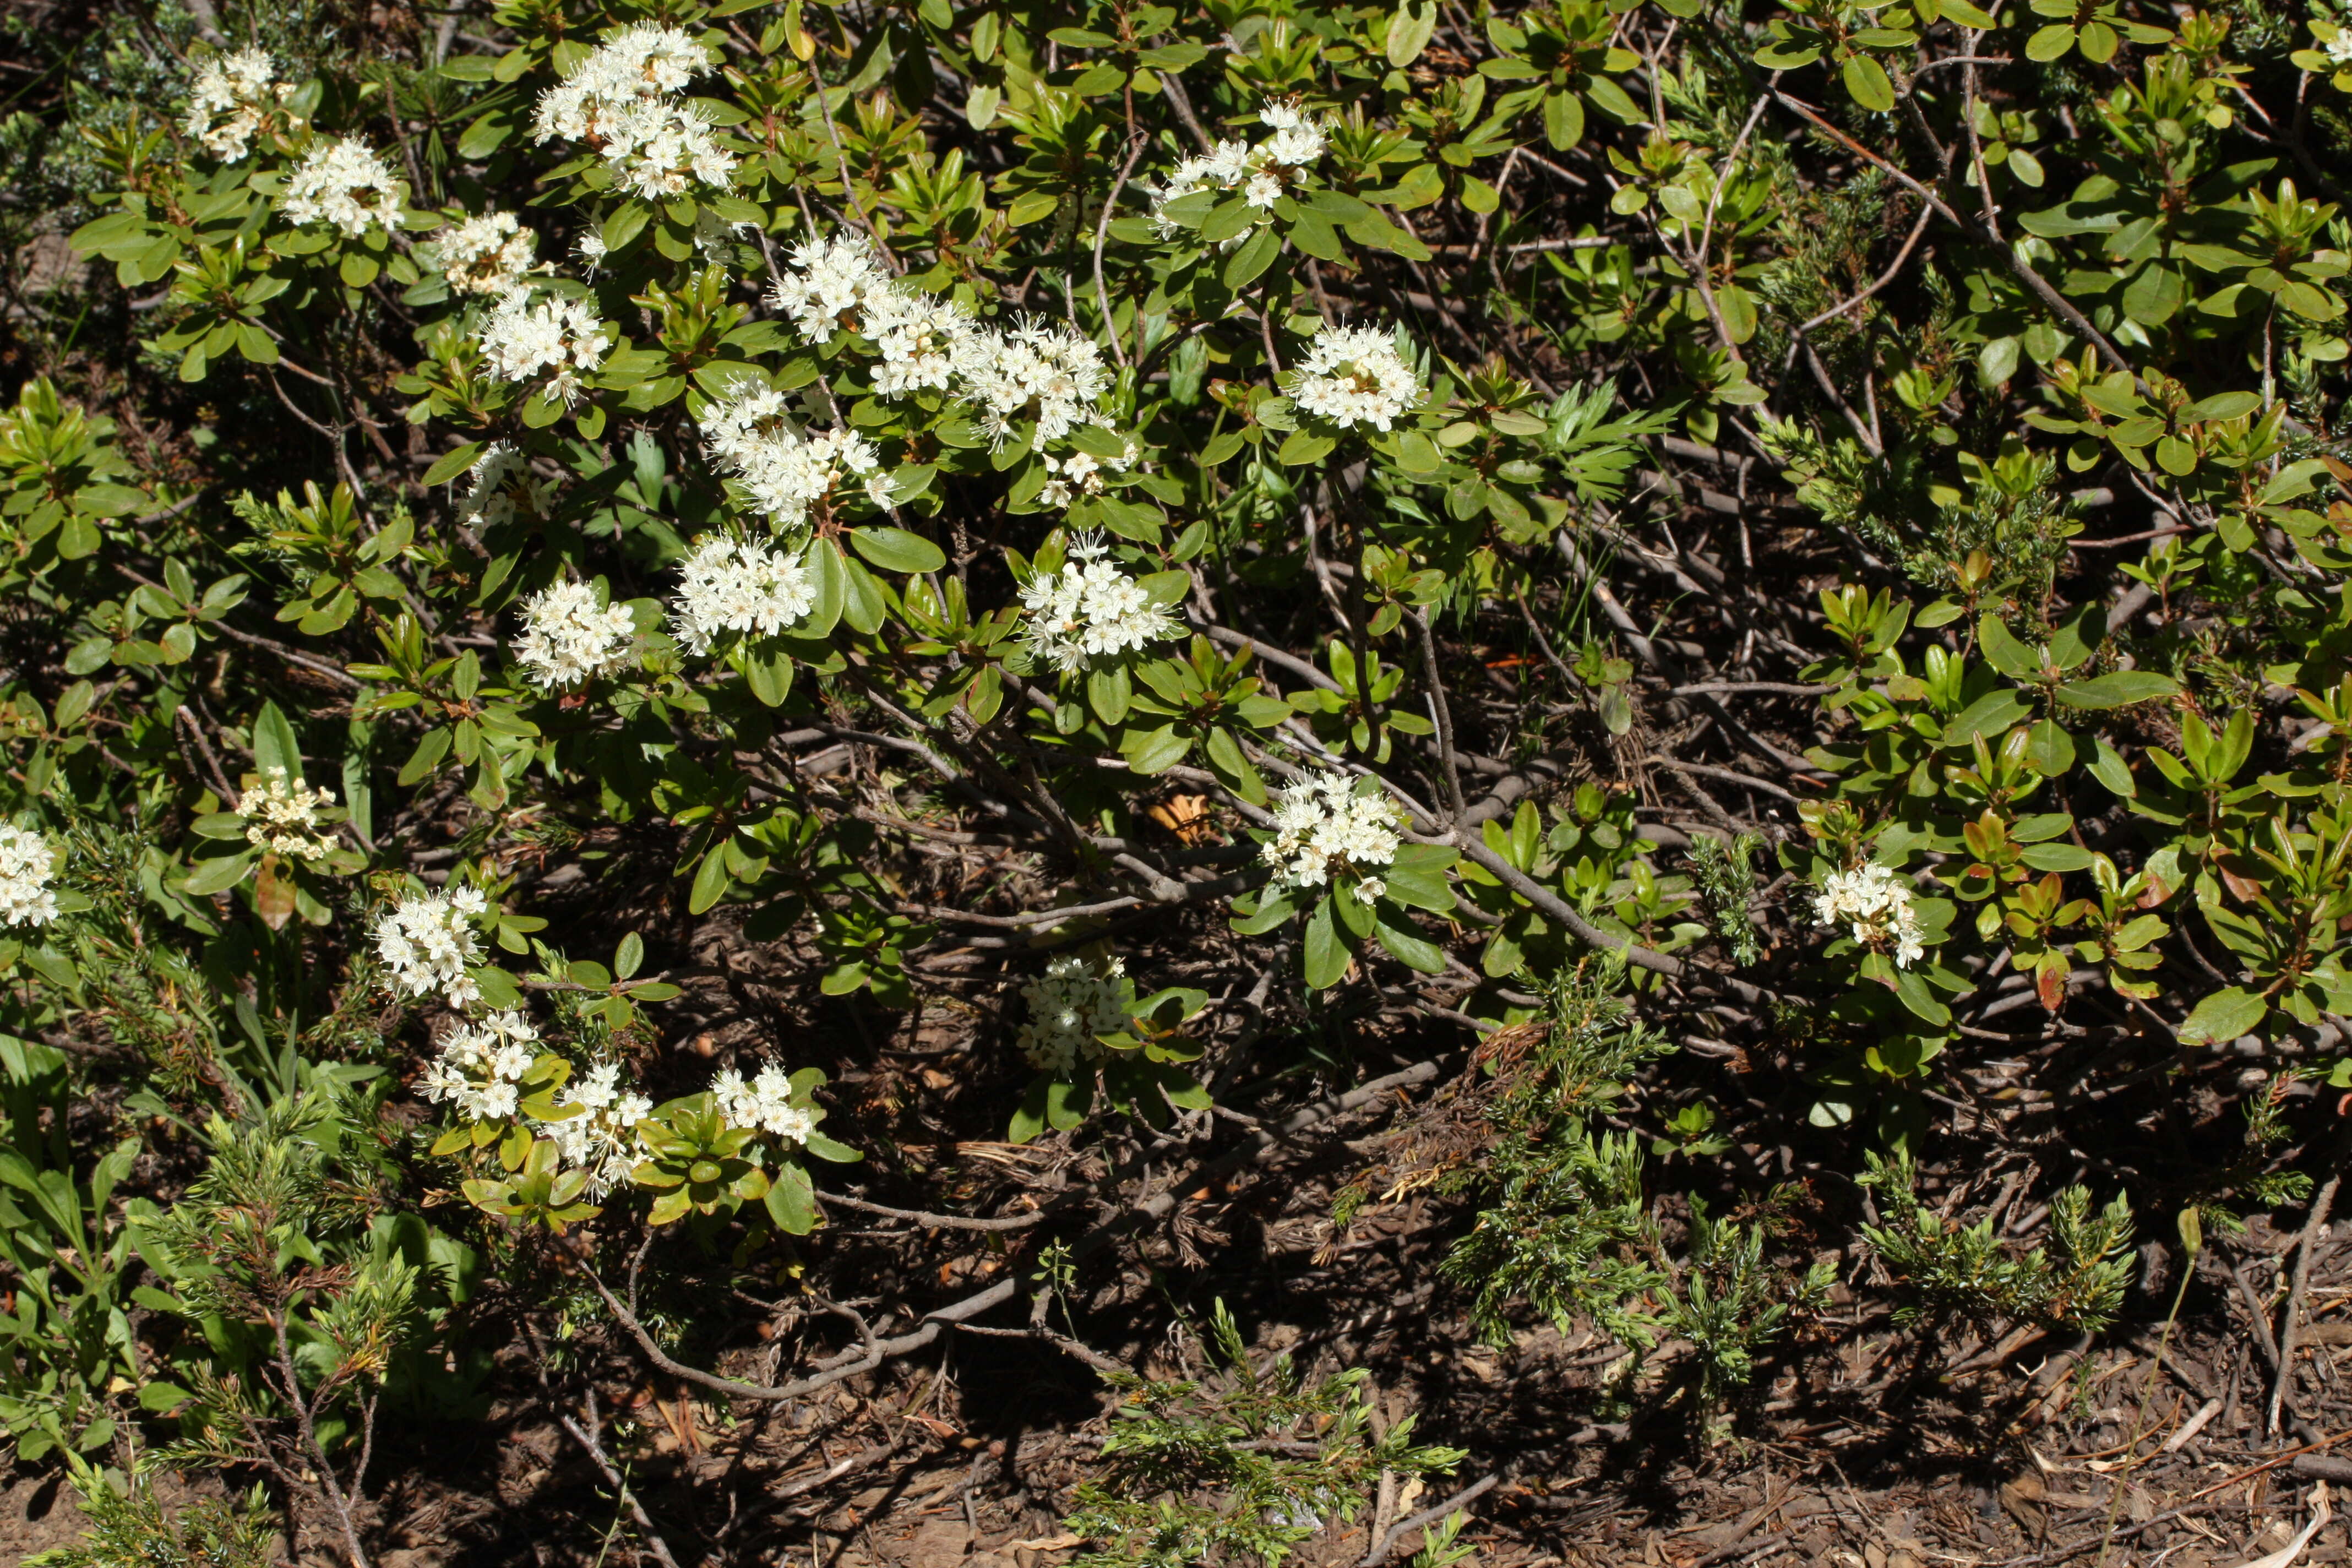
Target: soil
1868	1444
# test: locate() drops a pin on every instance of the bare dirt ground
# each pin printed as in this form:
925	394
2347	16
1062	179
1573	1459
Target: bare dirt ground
1868	1446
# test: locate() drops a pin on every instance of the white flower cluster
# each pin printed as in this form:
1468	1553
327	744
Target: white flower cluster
235	95
26	866
765	1102
1037	371
1069	1005
2339	46
1261	172
1090	609
480	1070
1354	375
1321	823
838	285
1034	371
554	341
429	938
730	585
282	816
480	1065
1875	905
748	435
345	184
622	101
503	485
603	1140
487	254
1079	474
567	638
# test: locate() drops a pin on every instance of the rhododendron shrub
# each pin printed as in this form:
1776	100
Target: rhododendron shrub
633	627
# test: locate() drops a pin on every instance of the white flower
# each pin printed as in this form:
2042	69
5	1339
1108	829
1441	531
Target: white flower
658	149
478	1065
1297	143
730	585
1037	371
765	1102
603	1140
1090	609
503	485
1069	1005
1354	375
427	940
345	184
638	62
749	436
1034	372
917	335
1262	174
233	98
1321	825
554	342
2340	47
620	101
487	254
1079	474
567	638
282	816
28	864
832	286
839	284
1875	904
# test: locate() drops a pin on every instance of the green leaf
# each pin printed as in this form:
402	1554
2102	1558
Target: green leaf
710	881
452	464
826	1149
1227	220
1154	750
2003	650
1563	116
274	745
218	875
770	677
2050	749
1325	955
1252	257
1410	26
896	550
1028	1117
1300	448
1416	878
791	1200
2049	43
1738	308
2223	1017
430	749
1109	693
1865	81
2055	857
1273	910
2107	766
2118	688
1911	988
1988	715
1425	956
